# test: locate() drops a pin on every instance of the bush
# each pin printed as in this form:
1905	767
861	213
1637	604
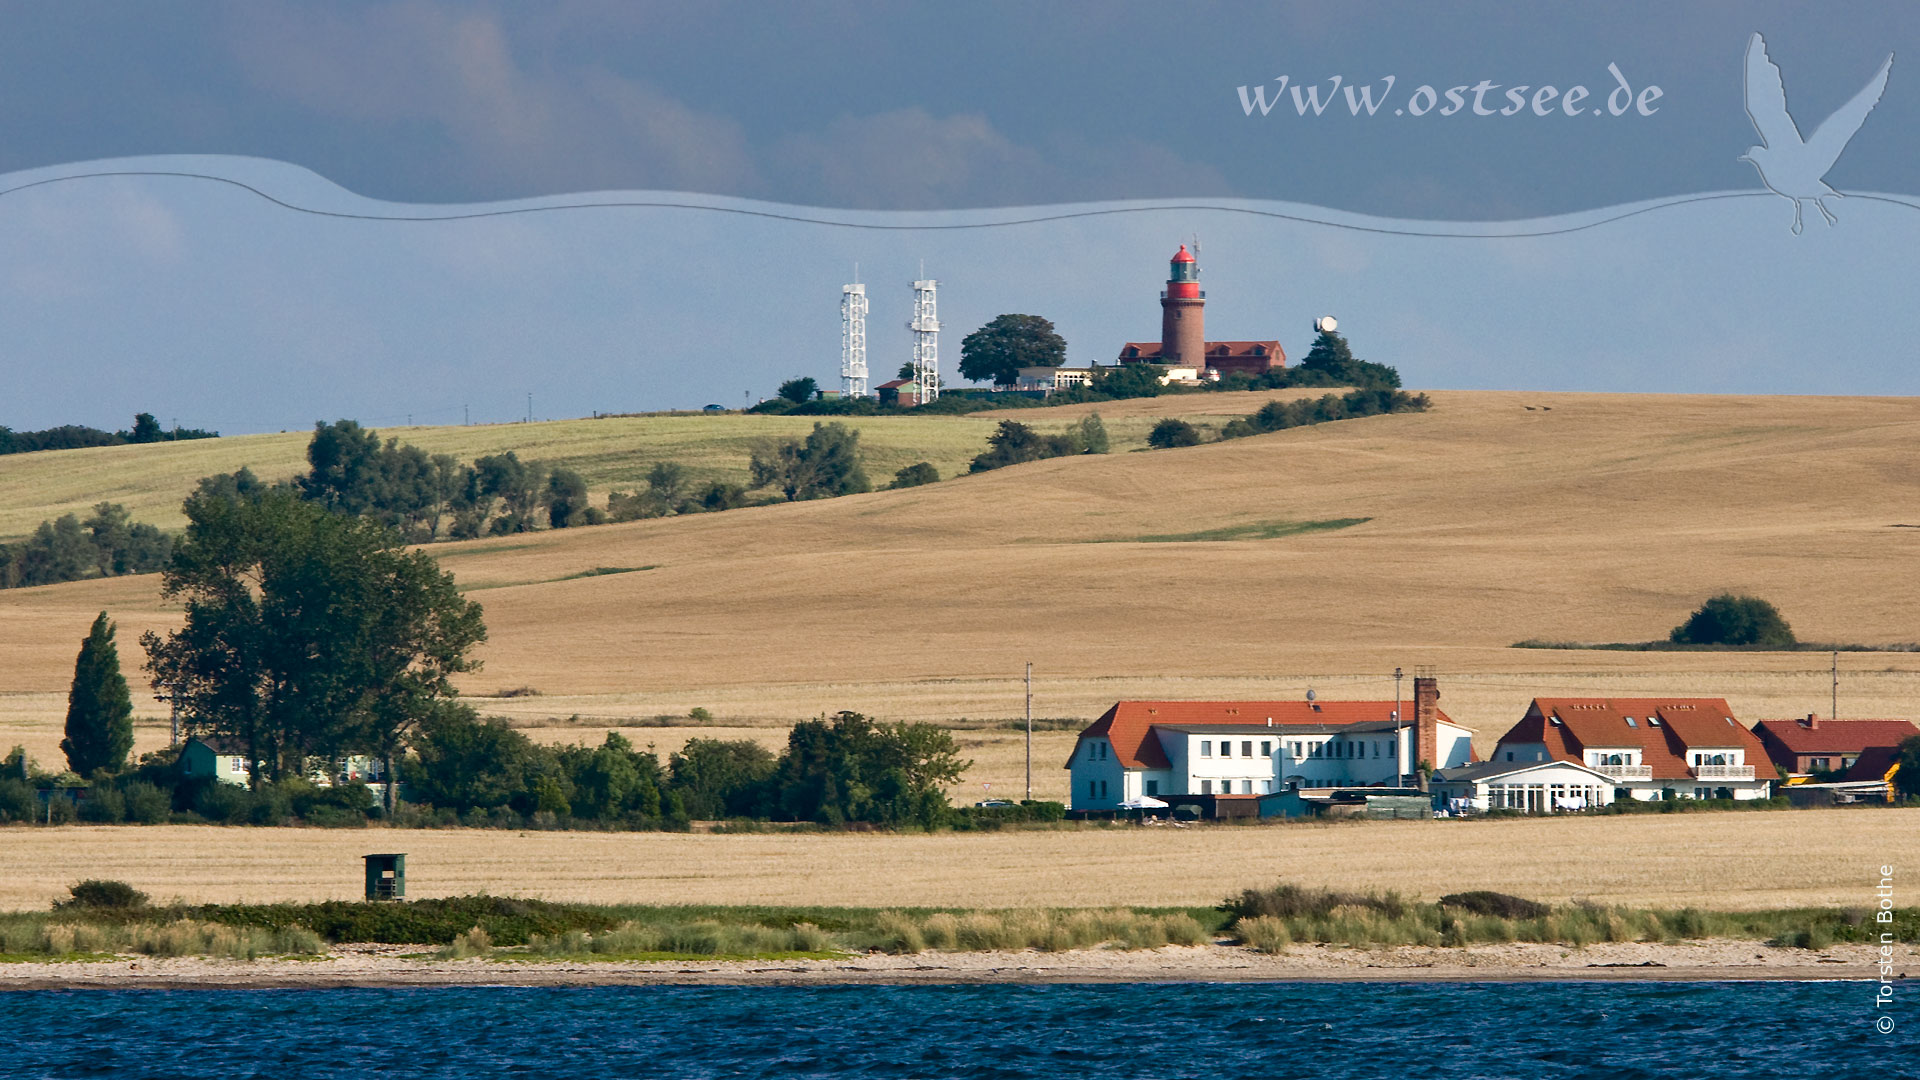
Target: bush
1497	904
1728	619
103	806
1264	933
1171	433
147	804
916	475
18	802
97	894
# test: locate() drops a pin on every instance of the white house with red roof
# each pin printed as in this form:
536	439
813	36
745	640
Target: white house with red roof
1245	749
1651	748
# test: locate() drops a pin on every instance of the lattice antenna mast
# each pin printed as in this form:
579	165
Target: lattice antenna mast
926	340
853	340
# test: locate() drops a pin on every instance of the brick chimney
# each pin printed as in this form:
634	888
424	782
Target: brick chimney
1426	722
1813	721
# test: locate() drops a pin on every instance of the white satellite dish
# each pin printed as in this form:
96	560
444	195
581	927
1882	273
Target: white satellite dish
1326	324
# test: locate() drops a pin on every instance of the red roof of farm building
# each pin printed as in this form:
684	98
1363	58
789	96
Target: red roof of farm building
1873	763
1837	736
1685	724
1129	724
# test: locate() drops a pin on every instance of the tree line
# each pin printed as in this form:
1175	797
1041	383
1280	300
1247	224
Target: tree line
107	543
146	429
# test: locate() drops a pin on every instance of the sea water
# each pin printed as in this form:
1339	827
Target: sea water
1619	1031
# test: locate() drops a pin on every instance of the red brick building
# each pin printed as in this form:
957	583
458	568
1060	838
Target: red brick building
1810	745
1183	332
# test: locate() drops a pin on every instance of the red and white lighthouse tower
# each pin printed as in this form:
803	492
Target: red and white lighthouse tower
1183	323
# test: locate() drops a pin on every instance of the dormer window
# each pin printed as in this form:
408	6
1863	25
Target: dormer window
1259	350
1132	352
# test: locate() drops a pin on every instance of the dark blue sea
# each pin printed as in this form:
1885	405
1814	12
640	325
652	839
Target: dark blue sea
1527	1031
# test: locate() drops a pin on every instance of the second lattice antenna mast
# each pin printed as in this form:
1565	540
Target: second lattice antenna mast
926	340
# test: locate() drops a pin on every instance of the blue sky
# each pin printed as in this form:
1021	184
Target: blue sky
208	304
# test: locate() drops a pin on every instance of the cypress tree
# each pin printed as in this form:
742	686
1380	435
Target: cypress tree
99	708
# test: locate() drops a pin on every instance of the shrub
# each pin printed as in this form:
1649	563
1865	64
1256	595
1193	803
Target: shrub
147	804
97	894
1264	933
1171	432
915	475
475	942
1498	904
1728	619
18	802
103	806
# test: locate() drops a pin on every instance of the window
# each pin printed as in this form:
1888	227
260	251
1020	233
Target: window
1819	764
1206	747
1631	723
1103	750
1226	748
1246	748
1296	748
1103	789
1206	787
1246	787
1093	790
1509	755
1266	748
1153	787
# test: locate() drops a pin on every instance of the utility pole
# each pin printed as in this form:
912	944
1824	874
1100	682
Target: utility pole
529	406
1399	755
1833	709
174	739
1029	731
466	416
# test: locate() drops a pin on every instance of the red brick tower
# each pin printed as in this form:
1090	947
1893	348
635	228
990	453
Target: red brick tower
1183	324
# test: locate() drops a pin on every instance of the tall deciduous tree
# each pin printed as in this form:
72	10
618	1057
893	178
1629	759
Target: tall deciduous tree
998	350
99	708
825	465
307	632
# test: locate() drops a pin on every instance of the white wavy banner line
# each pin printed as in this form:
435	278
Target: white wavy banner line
992	218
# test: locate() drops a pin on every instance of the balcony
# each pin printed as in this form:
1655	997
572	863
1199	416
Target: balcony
1625	772
1723	772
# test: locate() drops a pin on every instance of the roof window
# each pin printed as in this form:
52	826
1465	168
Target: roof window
1631	722
1653	721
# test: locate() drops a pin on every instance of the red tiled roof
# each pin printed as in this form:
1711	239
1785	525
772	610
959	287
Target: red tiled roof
1686	724
1236	350
1873	763
1129	724
894	385
1836	736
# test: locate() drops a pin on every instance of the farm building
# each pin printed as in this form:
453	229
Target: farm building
220	759
1225	755
1649	748
1812	745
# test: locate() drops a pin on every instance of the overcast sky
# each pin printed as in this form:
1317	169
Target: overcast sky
208	304
936	105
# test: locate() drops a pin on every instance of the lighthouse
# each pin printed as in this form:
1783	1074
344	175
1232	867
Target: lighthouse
1183	319
1183	349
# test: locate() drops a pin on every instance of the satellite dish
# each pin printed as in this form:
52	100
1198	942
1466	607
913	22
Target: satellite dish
1326	324
1310	694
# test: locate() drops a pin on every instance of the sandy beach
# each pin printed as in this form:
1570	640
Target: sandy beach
408	965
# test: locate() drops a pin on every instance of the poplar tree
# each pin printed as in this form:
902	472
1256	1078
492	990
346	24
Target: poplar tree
99	708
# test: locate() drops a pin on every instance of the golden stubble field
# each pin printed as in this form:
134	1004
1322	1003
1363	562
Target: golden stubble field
1494	518
1720	860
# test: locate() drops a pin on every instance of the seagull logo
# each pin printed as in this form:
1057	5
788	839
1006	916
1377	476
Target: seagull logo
1793	167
